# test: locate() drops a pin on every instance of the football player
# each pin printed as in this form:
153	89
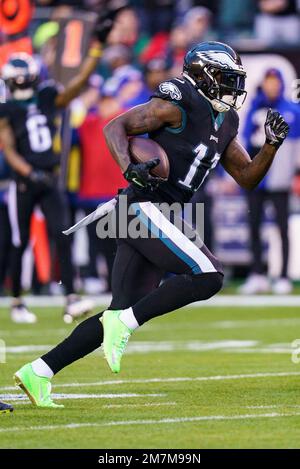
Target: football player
27	130
194	119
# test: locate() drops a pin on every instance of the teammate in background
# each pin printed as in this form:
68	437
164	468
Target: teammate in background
5	408
276	185
193	118
27	128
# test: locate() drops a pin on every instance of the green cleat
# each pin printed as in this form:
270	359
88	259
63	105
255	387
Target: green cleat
116	336
37	388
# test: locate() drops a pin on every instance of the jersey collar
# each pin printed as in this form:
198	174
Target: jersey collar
218	119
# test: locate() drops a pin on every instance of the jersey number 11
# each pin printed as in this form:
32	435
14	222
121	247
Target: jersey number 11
201	153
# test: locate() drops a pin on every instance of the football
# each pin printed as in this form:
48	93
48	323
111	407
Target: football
144	149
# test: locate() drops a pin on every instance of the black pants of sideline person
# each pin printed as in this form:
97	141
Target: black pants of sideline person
107	247
280	201
5	244
22	199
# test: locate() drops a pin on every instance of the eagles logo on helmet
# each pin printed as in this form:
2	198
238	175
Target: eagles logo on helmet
21	75
216	71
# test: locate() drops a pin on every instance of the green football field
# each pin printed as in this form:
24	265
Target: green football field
210	377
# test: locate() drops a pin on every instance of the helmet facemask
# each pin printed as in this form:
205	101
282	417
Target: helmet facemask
226	88
23	87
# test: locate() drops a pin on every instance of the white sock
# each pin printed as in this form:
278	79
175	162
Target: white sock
128	318
42	369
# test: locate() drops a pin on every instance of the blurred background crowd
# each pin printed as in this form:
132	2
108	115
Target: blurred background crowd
255	235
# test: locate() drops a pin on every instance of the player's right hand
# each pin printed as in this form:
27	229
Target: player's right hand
139	174
276	129
41	178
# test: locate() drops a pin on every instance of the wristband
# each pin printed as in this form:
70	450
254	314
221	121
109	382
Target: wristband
95	52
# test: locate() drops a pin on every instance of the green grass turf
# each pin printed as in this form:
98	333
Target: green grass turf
178	334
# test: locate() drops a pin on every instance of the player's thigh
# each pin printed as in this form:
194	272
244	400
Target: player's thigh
171	244
55	207
133	276
21	201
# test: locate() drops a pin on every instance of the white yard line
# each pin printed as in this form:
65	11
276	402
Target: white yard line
219	300
54	301
189	345
261	350
170	380
23	349
149	404
275	406
108	406
249	301
20	397
35	332
152	346
144	347
237	324
169	421
257	323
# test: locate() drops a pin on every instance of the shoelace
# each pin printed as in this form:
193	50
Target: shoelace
47	397
122	344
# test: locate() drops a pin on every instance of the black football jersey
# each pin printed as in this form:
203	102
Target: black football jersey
34	127
196	147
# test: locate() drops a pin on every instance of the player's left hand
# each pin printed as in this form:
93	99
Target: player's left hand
276	129
42	178
106	19
139	174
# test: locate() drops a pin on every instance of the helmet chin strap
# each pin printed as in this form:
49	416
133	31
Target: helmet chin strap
23	94
216	104
221	106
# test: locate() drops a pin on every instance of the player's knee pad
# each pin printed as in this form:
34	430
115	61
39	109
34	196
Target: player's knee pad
206	285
